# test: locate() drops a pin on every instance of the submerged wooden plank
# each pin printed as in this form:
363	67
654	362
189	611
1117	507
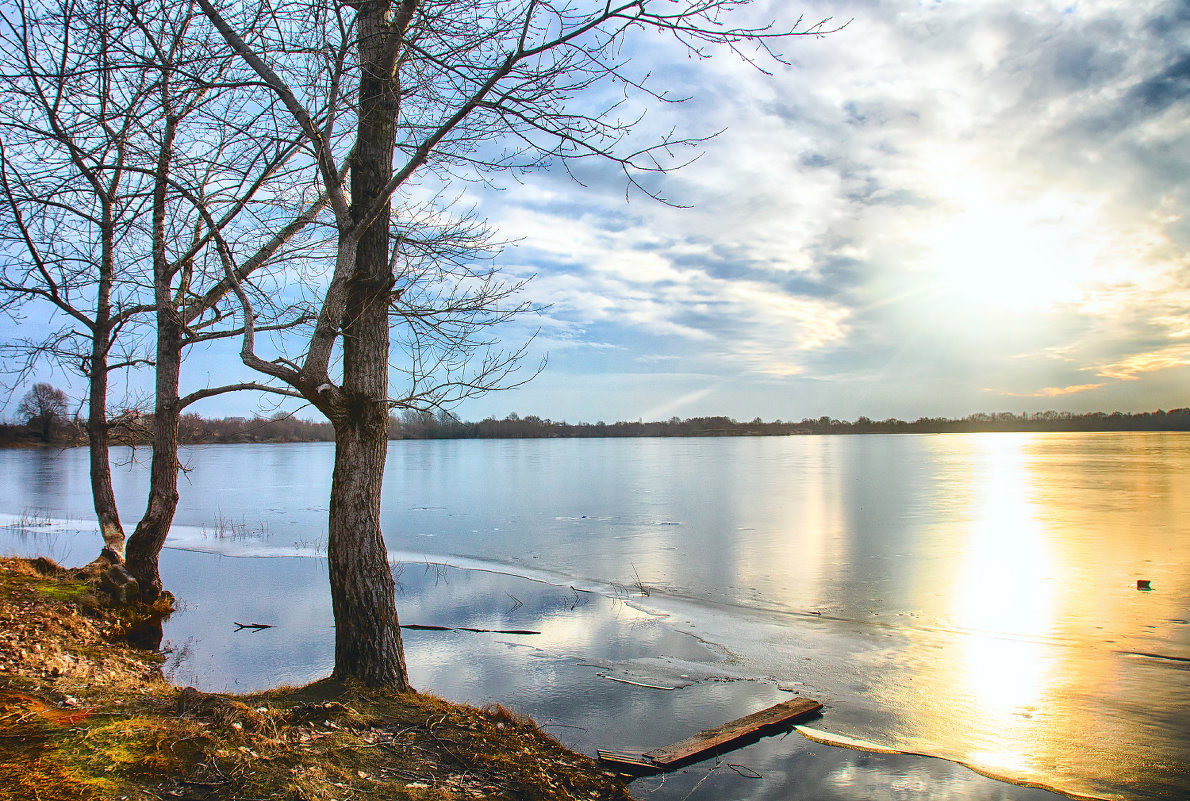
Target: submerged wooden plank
711	739
629	759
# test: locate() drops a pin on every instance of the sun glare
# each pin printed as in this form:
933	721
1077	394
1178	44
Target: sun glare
1020	258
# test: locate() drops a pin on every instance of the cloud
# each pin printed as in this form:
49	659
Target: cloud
667	288
1132	368
1055	392
940	201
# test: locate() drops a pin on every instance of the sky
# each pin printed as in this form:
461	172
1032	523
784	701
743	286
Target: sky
943	208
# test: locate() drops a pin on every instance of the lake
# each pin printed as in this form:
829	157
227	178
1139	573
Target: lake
969	597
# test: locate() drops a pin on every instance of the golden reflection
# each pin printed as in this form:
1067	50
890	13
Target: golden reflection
1033	673
997	592
1038	660
1004	597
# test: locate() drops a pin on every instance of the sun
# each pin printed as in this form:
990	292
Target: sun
1020	257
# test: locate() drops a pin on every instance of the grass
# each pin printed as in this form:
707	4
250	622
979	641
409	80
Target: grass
84	715
625	591
31	519
225	528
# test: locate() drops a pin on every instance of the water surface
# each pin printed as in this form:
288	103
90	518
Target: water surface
971	597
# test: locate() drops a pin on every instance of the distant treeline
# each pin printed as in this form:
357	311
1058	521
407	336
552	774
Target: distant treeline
192	430
425	425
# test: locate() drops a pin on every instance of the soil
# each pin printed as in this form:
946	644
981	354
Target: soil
84	714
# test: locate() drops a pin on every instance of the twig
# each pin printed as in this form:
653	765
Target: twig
422	627
697	784
744	771
640	584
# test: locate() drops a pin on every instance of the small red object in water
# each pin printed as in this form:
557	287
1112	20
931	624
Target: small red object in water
1143	584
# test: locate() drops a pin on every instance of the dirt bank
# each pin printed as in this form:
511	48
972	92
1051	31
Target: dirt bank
85	715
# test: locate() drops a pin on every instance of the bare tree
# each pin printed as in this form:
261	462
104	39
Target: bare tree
69	202
209	165
120	123
43	406
447	90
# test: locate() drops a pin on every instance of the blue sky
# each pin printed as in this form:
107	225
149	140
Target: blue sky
944	208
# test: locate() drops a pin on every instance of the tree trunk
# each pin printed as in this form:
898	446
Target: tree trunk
102	495
367	633
146	542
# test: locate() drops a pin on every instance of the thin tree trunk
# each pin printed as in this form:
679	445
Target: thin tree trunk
102	494
146	542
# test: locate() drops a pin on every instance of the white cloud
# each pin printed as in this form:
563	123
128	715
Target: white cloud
937	186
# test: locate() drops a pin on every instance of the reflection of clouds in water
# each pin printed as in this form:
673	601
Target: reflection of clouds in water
553	677
795	769
290	594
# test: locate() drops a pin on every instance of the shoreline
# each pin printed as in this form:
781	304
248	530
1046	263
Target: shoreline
86	715
714	666
700	703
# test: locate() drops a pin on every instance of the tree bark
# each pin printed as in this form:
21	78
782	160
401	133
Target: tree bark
367	633
102	494
146	542
368	644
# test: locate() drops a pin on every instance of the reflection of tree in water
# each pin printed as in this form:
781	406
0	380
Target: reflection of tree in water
179	658
147	634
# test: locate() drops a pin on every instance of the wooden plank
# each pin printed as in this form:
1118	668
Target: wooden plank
711	739
628	759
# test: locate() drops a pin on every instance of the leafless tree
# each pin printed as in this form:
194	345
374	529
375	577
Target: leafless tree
43	406
210	164
68	204
446	90
119	126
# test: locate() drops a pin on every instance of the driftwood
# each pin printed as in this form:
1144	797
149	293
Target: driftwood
732	734
419	627
256	626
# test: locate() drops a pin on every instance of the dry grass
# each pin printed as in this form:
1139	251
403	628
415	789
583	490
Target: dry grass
83	715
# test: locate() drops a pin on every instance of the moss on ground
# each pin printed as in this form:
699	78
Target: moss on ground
84	715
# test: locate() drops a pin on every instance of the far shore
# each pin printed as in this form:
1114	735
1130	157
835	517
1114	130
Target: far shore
196	430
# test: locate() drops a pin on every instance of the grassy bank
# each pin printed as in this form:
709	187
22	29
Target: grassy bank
85	715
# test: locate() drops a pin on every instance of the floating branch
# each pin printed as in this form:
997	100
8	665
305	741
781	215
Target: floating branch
419	627
727	736
256	626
